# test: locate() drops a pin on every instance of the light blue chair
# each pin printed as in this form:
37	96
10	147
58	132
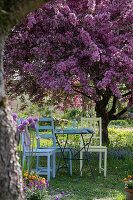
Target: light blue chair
46	131
29	152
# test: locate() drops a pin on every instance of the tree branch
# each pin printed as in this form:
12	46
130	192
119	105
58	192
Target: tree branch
115	117
126	94
113	109
82	93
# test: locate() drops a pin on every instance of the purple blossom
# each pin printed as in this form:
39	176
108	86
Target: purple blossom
40	188
31	20
73	18
21	127
14	116
32	125
30	120
36	119
91	5
38	138
25	122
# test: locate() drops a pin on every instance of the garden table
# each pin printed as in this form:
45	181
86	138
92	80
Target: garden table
82	132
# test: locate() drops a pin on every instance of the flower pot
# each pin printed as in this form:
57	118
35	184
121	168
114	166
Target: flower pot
129	194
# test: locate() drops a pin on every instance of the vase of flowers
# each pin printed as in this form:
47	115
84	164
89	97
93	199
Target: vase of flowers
129	187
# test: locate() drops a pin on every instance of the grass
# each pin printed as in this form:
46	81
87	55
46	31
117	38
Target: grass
111	187
119	165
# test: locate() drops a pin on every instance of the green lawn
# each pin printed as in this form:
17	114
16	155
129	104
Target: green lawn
111	187
119	165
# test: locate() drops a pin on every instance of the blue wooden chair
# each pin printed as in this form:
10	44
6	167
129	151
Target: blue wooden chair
45	130
29	152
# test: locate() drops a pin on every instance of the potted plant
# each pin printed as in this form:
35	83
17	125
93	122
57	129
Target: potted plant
129	187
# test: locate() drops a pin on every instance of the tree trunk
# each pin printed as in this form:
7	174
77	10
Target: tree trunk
101	112
105	136
84	105
11	187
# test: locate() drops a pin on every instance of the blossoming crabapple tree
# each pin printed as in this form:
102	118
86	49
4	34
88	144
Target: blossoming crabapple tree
79	46
11	12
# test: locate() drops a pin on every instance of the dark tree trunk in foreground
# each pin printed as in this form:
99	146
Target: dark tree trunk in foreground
11	188
10	172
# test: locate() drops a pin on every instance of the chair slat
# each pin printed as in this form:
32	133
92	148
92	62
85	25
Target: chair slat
46	136
45	128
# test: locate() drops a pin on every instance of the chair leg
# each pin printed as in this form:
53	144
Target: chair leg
70	163
100	161
48	167
105	162
81	161
24	157
37	162
53	165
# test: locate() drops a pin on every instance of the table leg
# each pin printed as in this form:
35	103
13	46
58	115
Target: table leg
62	155
86	156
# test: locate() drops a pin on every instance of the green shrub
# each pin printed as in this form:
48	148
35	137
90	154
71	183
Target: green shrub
123	123
71	114
119	137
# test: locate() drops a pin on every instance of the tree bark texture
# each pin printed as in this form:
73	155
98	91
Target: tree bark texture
2	90
11	187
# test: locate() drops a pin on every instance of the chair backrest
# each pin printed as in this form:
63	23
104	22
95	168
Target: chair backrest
45	130
96	125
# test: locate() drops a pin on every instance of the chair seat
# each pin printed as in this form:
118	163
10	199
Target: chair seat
97	147
41	152
47	150
57	148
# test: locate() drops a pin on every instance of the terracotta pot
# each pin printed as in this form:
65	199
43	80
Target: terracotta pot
129	194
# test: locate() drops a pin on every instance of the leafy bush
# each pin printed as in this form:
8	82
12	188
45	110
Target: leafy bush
119	137
71	114
123	123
